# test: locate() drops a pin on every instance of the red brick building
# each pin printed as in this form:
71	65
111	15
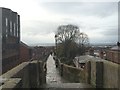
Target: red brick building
9	38
113	54
25	52
13	51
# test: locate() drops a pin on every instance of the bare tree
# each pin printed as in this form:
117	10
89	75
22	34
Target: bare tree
83	43
83	39
67	32
69	41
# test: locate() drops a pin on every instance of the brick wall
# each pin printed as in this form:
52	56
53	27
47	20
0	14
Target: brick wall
113	56
10	30
24	53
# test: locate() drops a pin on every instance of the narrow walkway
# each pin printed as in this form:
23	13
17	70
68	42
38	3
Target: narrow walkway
52	73
55	82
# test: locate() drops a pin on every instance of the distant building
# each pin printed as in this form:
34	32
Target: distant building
10	37
113	54
91	51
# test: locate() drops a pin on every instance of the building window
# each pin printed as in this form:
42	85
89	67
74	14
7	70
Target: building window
11	27
6	21
17	31
6	32
14	30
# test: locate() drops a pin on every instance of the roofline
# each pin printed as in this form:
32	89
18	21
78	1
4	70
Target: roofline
22	43
8	9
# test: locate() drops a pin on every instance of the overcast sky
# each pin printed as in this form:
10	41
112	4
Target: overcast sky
40	18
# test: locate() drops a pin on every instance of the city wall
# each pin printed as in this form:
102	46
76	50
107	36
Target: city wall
98	72
111	75
26	75
73	74
105	74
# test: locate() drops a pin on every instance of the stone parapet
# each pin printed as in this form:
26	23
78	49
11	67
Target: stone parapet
26	75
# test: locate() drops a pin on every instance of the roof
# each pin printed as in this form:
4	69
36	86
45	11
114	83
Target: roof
82	59
116	48
23	44
8	9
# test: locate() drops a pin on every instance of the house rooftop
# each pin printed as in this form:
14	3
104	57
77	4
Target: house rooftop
115	48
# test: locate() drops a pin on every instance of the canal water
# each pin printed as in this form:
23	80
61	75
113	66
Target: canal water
53	75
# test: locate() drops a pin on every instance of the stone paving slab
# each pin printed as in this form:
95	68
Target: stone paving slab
67	86
56	82
53	75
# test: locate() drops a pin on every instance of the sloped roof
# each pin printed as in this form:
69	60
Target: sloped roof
116	48
23	44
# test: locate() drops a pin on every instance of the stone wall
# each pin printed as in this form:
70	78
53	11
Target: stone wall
26	75
93	74
98	72
104	74
74	74
14	77
111	75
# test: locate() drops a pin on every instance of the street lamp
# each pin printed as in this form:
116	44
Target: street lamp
56	43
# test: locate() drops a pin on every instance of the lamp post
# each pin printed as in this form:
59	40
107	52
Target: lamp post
56	43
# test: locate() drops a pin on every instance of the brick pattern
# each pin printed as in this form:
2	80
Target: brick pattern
24	53
113	56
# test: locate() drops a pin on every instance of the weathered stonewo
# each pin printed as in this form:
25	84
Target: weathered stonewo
88	72
99	74
11	84
42	73
26	78
37	75
33	74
